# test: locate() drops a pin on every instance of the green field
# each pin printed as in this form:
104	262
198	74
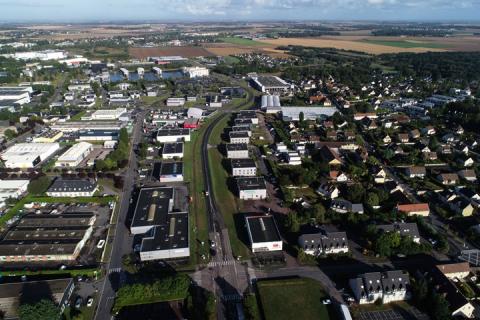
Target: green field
298	298
242	42
407	44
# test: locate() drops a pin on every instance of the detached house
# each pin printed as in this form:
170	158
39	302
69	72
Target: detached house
345	206
403	137
468	175
414	134
448	179
328	191
420	209
416	172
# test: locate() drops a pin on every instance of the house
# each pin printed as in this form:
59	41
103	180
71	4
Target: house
324	243
330	156
338	176
387	139
448	179
331	135
251	188
380	176
421	209
429	130
467	163
459	130
72	188
414	134
459	305
387	287
445	149
403	137
468	174
429	156
345	206
404	229
328	191
459	270
416	172
349	135
462	207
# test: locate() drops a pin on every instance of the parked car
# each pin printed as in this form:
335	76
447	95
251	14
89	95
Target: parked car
89	302
78	302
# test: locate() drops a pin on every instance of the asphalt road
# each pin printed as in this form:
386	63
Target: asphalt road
122	241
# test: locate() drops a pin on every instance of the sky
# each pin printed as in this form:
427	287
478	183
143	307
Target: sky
236	10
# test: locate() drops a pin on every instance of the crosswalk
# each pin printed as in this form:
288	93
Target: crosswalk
232	297
114	270
221	263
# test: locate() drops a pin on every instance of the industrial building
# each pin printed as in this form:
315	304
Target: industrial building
72	188
12	189
169	172
98	135
237	150
38	55
108	114
243	167
165	230
175	102
48	136
270	102
47	237
239	137
195	72
172	150
271	85
309	113
28	155
251	188
11	294
74	126
15	95
74	156
263	233
173	135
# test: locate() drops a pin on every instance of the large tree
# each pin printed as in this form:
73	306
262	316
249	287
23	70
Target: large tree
40	185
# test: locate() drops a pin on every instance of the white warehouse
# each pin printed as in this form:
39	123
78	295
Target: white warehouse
73	156
196	72
28	155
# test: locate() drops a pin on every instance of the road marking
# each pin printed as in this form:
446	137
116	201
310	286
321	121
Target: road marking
232	297
114	270
221	263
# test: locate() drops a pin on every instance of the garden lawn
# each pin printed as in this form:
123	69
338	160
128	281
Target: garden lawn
298	298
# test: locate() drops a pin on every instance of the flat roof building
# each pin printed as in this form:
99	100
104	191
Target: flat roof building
97	135
72	188
271	84
75	155
28	155
165	230
48	136
12	189
251	188
172	150
108	114
237	150
309	113
74	126
243	167
239	137
173	135
170	172
263	233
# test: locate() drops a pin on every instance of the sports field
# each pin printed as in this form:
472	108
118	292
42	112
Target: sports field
298	298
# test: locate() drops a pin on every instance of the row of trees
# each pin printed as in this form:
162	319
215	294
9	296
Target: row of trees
119	157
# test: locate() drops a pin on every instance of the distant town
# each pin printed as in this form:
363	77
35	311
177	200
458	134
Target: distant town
259	171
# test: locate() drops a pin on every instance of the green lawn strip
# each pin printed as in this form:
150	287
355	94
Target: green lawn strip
407	44
242	41
78	116
226	202
73	272
292	299
84	313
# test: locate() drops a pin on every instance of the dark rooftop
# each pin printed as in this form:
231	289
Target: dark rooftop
262	228
153	206
61	185
237	146
173	132
242	163
251	183
175	147
170	235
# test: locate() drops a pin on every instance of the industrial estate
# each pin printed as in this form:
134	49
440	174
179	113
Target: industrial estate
189	171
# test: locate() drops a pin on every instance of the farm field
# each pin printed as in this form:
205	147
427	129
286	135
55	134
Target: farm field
298	298
187	52
242	41
354	45
408	43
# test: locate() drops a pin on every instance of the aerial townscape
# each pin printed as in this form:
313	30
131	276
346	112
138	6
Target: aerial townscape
250	169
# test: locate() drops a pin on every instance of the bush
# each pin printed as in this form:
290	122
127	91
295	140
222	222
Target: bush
39	186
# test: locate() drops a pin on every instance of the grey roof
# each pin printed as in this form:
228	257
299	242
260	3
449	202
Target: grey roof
61	185
242	163
238	134
237	146
42	288
157	202
262	228
175	147
251	183
172	234
405	229
98	133
55	220
173	132
171	168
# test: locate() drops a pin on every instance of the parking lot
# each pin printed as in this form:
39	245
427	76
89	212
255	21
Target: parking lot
397	314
